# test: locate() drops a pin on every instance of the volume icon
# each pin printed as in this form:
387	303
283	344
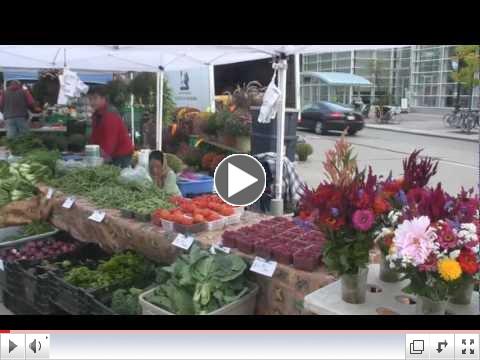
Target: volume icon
35	346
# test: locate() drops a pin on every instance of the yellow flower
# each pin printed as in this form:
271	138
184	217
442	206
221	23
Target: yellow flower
449	269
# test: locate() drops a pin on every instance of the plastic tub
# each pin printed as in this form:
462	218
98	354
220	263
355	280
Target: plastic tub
233	219
243	306
216	224
167	225
201	185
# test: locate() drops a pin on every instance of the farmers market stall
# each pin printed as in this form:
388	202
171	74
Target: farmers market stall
281	294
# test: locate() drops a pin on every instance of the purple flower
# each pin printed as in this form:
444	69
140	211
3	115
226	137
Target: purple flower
335	212
401	197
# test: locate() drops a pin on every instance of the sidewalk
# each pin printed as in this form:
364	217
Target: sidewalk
426	125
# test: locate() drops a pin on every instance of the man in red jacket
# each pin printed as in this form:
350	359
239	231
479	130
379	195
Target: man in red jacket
109	131
14	104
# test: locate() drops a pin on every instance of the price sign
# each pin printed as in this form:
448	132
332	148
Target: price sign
50	193
263	267
97	216
183	242
69	203
223	249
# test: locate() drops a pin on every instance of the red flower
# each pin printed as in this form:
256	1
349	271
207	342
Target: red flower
392	187
430	264
446	236
381	206
331	222
468	262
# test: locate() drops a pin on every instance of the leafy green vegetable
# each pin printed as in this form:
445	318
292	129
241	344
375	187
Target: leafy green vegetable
199	283
22	145
36	227
43	157
120	271
125	302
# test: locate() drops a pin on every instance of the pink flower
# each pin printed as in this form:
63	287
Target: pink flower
430	264
446	237
415	240
363	220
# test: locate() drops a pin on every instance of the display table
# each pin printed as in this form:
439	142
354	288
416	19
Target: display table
281	294
390	300
45	129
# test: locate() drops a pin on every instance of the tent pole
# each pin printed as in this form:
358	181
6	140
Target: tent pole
211	83
132	113
298	98
159	107
277	203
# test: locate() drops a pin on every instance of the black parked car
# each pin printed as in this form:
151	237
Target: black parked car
325	116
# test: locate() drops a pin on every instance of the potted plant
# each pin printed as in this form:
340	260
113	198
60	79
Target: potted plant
343	208
304	150
239	130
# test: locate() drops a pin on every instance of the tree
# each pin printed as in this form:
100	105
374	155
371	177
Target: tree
468	57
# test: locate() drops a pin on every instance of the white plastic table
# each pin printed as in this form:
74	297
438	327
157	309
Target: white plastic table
328	300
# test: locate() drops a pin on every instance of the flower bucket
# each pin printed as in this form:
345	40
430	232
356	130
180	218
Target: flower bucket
387	274
243	144
354	287
462	295
229	140
426	306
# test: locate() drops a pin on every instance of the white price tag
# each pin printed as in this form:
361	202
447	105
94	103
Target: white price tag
2	268
183	242
97	216
263	267
223	249
69	203
50	193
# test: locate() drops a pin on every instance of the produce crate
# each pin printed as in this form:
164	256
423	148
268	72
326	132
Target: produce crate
69	298
17	305
243	306
31	284
8	232
191	229
200	185
233	219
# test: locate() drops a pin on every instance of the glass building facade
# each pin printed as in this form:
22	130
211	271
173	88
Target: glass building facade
421	73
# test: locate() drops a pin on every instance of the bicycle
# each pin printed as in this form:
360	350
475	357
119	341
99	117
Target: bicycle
471	121
387	115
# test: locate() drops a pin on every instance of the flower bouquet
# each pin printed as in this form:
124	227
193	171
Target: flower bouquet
435	249
343	207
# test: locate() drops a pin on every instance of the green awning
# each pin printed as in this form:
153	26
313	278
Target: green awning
338	78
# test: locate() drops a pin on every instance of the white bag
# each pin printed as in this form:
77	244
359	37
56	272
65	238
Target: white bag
268	110
137	175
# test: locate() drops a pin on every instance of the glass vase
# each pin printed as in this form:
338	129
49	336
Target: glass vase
387	274
462	295
354	287
426	306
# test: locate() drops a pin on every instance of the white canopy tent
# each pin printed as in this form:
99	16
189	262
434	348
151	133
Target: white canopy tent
158	58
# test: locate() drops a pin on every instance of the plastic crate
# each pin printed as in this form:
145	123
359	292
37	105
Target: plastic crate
67	297
202	184
243	306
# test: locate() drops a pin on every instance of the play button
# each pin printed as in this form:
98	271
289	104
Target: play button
11	346
240	180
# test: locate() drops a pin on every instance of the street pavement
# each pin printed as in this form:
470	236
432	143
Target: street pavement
384	151
424	124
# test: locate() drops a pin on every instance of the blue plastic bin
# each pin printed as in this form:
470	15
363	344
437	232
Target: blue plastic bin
201	185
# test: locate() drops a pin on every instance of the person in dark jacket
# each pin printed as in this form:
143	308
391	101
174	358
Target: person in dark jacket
14	104
109	131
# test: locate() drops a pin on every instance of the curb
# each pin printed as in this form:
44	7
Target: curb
421	133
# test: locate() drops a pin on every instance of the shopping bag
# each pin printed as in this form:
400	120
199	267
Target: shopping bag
268	110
